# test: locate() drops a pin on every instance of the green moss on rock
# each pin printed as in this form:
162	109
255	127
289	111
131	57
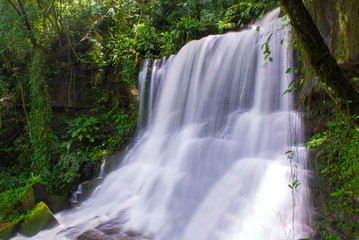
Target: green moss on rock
89	187
28	199
338	22
58	203
8	230
39	219
33	194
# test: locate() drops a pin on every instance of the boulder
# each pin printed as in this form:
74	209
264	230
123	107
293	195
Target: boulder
33	194
57	203
94	235
8	230
88	188
39	219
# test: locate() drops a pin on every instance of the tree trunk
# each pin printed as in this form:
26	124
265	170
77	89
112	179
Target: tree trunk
321	59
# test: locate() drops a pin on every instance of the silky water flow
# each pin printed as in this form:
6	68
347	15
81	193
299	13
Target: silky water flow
218	145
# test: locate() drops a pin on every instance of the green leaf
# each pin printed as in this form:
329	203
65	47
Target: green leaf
288	70
293	81
289	90
334	237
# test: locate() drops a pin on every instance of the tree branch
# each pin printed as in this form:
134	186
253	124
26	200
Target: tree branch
23	15
49	8
14	7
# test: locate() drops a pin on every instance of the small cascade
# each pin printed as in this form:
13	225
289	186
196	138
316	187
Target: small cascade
75	196
142	81
220	143
102	168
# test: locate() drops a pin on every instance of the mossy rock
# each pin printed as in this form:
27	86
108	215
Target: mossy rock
88	188
58	203
33	194
8	230
39	219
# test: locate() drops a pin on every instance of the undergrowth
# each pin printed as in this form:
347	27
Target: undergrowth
338	163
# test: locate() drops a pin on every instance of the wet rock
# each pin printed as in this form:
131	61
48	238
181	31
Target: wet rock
132	233
41	218
88	170
86	189
94	234
90	186
111	227
113	161
97	234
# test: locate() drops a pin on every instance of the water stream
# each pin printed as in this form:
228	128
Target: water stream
209	162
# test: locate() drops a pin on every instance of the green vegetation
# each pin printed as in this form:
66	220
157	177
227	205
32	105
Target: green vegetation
338	163
89	52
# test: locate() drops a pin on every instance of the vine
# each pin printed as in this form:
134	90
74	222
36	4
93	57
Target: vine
40	115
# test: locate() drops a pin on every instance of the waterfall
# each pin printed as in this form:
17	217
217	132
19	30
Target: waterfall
210	162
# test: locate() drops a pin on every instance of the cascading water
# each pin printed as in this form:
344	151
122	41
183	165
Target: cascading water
210	164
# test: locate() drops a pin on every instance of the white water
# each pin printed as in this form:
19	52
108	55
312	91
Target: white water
211	163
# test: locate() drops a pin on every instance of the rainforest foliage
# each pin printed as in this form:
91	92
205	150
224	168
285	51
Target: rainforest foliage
102	43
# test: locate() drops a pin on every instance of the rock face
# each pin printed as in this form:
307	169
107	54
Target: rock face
338	22
72	89
41	218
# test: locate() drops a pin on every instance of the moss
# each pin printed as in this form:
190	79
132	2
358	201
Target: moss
341	47
353	29
8	230
38	219
28	199
10	205
33	194
88	188
338	22
58	203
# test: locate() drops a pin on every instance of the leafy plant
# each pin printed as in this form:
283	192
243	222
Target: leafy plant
338	163
81	129
185	30
66	171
